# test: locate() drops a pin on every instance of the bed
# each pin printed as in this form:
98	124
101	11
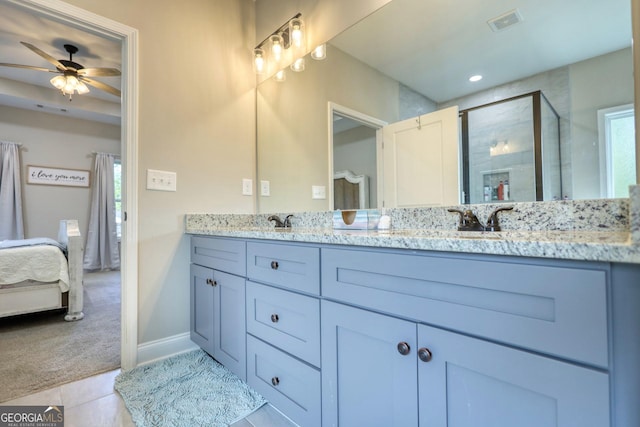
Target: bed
43	274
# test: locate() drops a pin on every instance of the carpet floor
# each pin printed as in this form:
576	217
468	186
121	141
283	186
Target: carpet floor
42	350
189	389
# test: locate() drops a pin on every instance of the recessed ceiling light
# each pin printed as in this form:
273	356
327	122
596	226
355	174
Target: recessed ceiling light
475	78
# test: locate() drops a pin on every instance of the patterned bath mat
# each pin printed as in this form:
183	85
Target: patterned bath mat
189	389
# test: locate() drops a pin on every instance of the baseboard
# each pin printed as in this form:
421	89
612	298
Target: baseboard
161	349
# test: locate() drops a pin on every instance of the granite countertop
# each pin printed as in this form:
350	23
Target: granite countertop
576	245
592	230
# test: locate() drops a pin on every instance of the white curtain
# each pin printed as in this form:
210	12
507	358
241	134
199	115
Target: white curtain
101	250
11	224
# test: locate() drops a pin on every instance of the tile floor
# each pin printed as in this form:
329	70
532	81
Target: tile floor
93	402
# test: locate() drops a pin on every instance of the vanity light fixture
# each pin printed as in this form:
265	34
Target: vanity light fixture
285	43
475	78
320	52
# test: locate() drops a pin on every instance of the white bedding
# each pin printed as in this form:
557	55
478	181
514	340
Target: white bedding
44	263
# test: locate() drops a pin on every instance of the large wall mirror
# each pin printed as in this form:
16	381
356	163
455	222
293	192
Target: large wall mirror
551	118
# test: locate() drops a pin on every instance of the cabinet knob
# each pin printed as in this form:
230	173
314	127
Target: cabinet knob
425	354
275	318
275	381
274	265
212	282
403	348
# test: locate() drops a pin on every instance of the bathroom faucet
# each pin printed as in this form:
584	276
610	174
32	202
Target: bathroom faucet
279	223
469	221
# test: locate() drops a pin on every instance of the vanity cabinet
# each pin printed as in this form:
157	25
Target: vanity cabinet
341	336
217	294
445	340
283	328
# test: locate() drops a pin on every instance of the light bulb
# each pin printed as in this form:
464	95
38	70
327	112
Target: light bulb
258	61
280	76
319	53
298	65
276	47
296	29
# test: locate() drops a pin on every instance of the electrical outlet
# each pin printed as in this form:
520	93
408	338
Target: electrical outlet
318	192
161	180
264	188
247	187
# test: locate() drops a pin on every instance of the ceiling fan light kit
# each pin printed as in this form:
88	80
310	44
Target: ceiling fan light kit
73	77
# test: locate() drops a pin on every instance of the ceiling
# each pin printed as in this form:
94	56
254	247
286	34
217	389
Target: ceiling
434	46
30	89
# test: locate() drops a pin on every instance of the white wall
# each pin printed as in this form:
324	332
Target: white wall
203	129
55	141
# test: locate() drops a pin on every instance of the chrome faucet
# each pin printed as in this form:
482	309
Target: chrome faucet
470	222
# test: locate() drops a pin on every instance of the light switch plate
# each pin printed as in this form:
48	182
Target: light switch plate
247	187
318	192
161	180
264	188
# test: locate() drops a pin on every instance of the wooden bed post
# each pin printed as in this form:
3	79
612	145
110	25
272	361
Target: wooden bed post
69	234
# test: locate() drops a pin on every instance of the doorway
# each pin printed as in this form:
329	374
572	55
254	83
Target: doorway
80	18
355	160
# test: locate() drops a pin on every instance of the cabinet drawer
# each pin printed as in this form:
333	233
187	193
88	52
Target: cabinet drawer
221	254
288	266
286	320
556	308
287	383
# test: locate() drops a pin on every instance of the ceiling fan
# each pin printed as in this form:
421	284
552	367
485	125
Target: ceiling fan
72	76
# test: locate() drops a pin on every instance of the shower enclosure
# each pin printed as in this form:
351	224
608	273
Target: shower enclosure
511	151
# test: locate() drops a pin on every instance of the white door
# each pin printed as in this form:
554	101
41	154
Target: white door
420	157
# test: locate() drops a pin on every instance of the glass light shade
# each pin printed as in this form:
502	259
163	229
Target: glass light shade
277	47
296	33
72	84
259	63
82	88
298	65
320	52
280	76
58	82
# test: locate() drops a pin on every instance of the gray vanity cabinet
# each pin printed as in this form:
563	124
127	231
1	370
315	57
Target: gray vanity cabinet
397	350
217	295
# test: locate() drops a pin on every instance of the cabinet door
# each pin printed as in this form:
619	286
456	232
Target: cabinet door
471	382
229	322
201	297
365	380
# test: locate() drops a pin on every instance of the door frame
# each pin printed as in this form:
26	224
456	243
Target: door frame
366	120
128	36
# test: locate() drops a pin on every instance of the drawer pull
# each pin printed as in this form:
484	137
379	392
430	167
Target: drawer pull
403	348
275	381
274	265
425	354
212	282
275	318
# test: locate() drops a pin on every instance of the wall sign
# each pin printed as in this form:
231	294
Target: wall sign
55	176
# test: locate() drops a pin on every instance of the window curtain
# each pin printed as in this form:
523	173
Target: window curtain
101	250
11	223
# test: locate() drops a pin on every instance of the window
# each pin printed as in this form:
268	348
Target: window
617	150
117	189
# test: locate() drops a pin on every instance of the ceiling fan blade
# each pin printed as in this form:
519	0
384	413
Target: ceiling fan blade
99	72
101	86
45	55
28	67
